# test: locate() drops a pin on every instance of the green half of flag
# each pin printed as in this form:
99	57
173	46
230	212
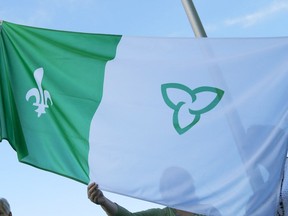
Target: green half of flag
61	73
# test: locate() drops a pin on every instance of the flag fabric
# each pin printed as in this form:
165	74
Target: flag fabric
194	124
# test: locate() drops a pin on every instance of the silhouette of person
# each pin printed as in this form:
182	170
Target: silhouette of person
177	183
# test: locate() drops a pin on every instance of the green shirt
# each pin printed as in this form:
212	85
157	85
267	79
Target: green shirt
150	212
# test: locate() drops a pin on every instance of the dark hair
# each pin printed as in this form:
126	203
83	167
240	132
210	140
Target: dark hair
5	205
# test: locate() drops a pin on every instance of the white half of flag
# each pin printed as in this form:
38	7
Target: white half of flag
230	161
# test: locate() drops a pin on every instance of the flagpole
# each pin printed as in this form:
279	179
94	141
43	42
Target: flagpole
233	118
194	18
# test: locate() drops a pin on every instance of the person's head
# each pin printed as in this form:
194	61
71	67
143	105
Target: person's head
176	182
5	208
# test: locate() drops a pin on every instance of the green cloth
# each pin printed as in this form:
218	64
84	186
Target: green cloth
150	212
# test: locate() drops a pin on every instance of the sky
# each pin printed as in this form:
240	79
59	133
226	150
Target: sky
34	192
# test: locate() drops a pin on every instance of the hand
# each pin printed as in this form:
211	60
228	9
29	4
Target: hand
95	194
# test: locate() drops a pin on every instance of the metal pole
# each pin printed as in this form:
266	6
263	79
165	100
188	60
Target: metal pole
194	18
233	118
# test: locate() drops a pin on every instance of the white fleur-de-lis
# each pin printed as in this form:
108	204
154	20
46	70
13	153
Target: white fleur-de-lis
41	96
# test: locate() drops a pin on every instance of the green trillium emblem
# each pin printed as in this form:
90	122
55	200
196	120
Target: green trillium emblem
194	95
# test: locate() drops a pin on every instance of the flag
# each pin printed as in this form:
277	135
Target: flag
194	124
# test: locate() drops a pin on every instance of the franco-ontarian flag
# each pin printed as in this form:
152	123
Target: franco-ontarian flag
194	124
